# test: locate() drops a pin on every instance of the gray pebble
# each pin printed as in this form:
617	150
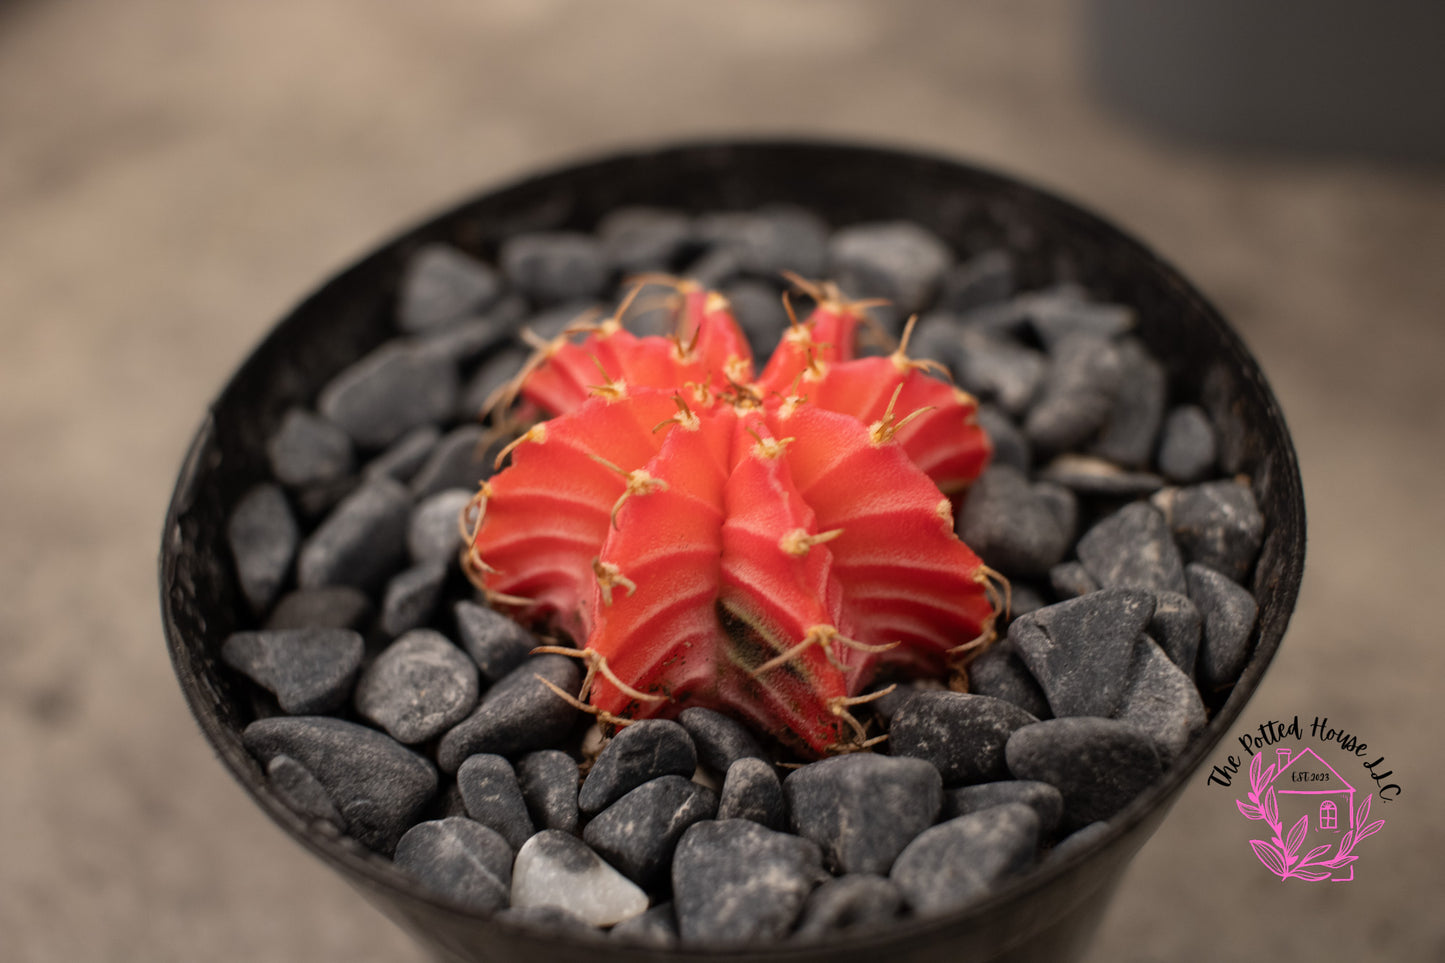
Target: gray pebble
1161	701
1023	599
735	882
309	670
636	239
758	310
938	336
957	862
262	536
1077	395
1089	475
1080	650
1217	524
410	597
1079	840
324	607
462	342
1015	529
1000	673
460	860
314	501
720	740
518	714
898	260
639	832
1176	626
307	449
770	240
858	901
549	780
751	790
361	542
462	459
493	798
418	687
302	792
1046	801
557	869
1069	580
433	533
639	753
999	370
392	390
496	643
961	734
442	284
886	705
656	929
985	278
551	321
408	453
1067	313
1099	765
1132	548
490	377
1187	449
547	919
1129	435
1010	447
715	268
555	266
863	808
378	784
1228	611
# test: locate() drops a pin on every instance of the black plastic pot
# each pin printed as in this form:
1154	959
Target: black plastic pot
1048	915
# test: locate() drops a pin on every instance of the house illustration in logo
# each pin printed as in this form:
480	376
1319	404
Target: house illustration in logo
1306	785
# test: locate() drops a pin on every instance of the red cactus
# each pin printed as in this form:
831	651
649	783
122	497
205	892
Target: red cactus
763	546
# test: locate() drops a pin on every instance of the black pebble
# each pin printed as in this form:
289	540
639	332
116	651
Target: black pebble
549	780
735	882
1228	612
961	734
418	687
1161	701
639	753
898	260
1129	435
956	862
1217	524
1000	673
1078	393
518	714
1132	549
361	542
493	797
410	597
655	929
392	390
1046	801
555	266
324	607
404	456
460	460
461	860
309	670
1080	650
769	240
1187	449
720	740
433	533
308	450
1013	527
263	536
863	808
858	901
1069	580
638	833
302	791
1010	447
1099	765
751	790
442	284
496	643
379	785
999	370
985	278
1177	626
637	239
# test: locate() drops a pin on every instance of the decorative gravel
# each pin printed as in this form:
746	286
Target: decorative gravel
394	706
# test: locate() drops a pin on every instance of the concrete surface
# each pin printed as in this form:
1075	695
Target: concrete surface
173	176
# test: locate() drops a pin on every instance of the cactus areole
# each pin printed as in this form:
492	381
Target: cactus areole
765	544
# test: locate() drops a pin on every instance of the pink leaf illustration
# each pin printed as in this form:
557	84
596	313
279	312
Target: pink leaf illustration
1363	812
1256	771
1313	875
1339	861
1266	854
1315	853
1250	812
1269	773
1296	836
1271	807
1370	830
1347	842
